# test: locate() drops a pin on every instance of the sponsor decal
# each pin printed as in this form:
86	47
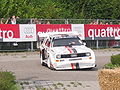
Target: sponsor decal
73	66
73	55
69	49
74	50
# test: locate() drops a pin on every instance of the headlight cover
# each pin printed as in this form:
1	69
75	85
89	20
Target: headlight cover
88	54
58	56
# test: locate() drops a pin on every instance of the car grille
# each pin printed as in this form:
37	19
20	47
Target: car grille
73	55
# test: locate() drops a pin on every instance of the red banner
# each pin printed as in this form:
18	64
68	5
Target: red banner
44	28
9	31
17	32
102	32
29	32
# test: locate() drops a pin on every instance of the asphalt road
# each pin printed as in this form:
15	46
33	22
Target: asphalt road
26	66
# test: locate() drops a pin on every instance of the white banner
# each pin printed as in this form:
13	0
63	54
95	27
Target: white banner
80	29
28	32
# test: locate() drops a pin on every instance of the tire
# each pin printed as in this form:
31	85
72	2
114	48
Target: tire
90	68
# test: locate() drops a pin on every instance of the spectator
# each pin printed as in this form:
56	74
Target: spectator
36	21
13	19
106	23
111	23
48	22
95	23
1	21
91	23
101	23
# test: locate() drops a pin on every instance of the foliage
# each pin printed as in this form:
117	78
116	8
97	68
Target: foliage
115	59
7	81
61	9
111	66
115	62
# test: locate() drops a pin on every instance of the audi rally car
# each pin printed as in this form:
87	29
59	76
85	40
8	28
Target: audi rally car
65	51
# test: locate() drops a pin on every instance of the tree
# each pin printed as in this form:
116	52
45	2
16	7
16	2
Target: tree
61	9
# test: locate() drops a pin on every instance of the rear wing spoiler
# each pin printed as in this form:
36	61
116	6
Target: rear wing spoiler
41	34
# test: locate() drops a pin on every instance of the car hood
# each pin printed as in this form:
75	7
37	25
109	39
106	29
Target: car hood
71	49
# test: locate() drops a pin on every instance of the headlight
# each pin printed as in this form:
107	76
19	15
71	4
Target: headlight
58	56
88	54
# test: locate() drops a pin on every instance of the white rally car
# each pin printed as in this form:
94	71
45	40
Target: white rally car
65	51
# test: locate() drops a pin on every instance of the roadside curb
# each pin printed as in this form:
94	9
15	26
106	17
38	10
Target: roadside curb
58	85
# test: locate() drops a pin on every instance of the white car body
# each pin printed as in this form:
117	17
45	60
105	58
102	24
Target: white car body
65	51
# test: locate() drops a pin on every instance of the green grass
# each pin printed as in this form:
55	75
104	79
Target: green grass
115	62
68	86
55	86
111	66
115	59
24	56
79	83
72	82
60	84
7	81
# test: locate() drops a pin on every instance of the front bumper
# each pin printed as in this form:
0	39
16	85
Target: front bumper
74	65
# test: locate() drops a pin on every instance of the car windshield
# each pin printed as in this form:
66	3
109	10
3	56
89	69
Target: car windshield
66	42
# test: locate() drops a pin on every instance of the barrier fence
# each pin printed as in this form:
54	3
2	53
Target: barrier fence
32	46
64	21
92	41
19	46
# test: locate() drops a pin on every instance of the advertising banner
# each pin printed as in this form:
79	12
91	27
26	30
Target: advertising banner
17	32
45	28
27	32
8	32
79	28
102	32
